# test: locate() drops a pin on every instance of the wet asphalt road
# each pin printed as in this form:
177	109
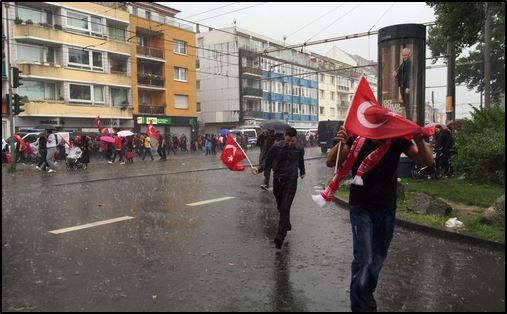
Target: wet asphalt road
212	257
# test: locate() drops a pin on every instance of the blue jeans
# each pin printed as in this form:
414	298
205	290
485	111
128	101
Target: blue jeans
372	233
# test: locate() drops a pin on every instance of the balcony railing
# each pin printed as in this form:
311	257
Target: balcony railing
143	79
250	91
251	71
253	114
150	52
152	109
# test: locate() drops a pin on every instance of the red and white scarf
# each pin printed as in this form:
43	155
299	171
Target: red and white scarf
368	163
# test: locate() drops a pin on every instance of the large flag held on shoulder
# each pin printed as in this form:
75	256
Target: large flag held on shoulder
368	119
232	154
152	132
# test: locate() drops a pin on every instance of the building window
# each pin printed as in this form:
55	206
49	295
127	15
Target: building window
321	110
181	101
332	95
35	15
198	84
180	74
81	59
38	90
119	96
198	106
180	47
85	24
321	94
83	93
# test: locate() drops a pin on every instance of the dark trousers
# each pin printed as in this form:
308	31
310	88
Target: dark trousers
372	232
284	190
118	153
43	154
406	101
161	152
267	174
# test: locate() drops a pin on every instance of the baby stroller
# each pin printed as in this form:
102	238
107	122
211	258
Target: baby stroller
73	160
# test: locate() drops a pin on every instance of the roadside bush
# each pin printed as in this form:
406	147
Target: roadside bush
480	146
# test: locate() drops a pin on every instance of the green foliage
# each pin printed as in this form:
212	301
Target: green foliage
463	23
480	146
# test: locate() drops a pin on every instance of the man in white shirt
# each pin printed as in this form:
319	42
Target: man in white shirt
51	146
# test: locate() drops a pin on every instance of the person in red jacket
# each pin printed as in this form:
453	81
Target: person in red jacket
117	149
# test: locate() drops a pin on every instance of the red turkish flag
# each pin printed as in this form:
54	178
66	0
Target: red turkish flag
97	123
232	154
152	132
368	119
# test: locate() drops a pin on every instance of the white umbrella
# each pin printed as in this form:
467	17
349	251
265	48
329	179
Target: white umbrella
125	133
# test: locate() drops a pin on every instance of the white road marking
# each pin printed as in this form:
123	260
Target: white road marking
211	201
90	225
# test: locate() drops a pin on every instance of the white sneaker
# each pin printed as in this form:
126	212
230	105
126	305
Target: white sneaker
56	162
122	163
110	162
51	170
38	168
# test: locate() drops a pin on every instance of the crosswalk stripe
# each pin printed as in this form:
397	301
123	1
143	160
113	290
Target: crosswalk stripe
90	225
211	201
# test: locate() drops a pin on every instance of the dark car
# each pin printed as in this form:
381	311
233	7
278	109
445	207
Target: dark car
326	132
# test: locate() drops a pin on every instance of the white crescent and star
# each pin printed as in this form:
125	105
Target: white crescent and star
362	119
231	158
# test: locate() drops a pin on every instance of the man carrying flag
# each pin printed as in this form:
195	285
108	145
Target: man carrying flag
373	154
285	158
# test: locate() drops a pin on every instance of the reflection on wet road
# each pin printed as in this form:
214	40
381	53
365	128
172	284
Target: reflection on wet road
215	256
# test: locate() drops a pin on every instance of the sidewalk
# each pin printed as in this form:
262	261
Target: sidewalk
442	233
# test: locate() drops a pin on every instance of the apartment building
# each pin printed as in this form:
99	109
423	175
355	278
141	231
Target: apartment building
164	66
239	85
75	63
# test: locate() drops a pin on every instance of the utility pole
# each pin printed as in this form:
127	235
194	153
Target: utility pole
451	85
9	73
487	58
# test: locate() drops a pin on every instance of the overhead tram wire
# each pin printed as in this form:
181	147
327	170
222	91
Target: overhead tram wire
232	11
227	5
316	19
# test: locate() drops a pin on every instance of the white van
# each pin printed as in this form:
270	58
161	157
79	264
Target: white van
250	133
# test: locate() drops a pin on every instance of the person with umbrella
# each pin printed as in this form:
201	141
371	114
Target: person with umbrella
265	140
118	149
51	150
286	158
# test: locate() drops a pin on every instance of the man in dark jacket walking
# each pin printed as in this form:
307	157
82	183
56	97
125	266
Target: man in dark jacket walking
285	159
265	140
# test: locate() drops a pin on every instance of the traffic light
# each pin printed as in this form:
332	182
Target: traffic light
15	77
19	102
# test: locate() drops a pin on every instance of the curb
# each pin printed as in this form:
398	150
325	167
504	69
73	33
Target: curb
450	235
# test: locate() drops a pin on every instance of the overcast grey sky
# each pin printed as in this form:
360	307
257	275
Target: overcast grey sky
310	21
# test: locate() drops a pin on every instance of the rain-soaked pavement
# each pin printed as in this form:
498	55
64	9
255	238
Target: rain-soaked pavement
211	257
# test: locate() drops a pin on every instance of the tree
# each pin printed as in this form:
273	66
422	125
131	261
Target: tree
463	23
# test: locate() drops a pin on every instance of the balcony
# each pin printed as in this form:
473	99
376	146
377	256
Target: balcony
253	114
150	52
52	71
46	33
152	109
151	80
252	92
252	72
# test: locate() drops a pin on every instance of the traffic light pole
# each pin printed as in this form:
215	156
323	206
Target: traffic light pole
9	73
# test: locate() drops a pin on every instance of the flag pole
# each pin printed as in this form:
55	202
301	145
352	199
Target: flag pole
251	166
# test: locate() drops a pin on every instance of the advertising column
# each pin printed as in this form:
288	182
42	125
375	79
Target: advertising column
401	68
